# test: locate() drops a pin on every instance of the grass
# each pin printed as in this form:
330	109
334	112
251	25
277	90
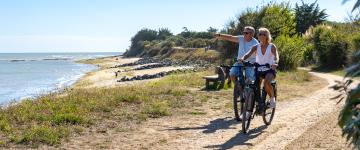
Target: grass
297	84
103	63
52	118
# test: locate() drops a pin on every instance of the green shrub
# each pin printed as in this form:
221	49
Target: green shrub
308	55
331	47
356	47
290	50
157	109
67	118
4	124
43	134
356	41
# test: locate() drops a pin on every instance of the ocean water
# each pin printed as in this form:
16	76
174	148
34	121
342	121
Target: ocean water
27	75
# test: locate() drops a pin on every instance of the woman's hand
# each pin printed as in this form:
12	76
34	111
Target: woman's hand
274	66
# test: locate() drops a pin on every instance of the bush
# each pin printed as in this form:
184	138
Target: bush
290	50
356	41
356	47
195	43
331	47
178	40
137	42
308	55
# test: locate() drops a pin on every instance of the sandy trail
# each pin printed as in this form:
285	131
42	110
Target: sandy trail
218	130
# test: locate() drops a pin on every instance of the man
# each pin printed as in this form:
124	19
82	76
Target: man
246	42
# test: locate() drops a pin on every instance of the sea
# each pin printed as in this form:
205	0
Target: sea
28	75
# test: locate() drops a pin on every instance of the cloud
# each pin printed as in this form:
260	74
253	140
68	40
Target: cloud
39	43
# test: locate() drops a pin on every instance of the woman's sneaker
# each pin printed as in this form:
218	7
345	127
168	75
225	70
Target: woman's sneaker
272	103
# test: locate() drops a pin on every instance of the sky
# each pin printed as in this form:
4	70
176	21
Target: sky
108	25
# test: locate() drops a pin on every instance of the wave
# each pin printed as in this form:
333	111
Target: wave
56	59
16	60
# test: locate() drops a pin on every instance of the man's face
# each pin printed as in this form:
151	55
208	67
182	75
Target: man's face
247	34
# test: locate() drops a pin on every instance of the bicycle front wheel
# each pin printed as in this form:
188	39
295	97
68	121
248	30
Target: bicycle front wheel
248	109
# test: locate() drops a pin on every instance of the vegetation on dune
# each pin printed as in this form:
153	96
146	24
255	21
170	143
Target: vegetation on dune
148	42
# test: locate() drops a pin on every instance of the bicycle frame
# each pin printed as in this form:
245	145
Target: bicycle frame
256	87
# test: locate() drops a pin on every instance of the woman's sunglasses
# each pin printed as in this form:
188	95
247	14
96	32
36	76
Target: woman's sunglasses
261	34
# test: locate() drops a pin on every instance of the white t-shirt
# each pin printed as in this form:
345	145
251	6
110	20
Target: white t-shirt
267	58
245	46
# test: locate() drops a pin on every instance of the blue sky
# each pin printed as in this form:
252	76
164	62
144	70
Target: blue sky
108	25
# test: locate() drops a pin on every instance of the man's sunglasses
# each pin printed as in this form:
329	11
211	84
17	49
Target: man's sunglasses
246	33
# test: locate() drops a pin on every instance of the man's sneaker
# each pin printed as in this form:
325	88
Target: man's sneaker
240	117
272	103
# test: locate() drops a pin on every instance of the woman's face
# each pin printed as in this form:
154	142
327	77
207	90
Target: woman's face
262	36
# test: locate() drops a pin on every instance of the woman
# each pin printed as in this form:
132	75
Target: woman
266	53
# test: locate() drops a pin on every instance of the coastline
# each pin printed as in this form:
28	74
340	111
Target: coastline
54	73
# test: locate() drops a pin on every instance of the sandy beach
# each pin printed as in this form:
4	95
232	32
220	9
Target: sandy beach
105	76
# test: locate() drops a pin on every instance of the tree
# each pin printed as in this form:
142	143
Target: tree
356	5
279	19
186	33
308	15
164	33
137	41
354	17
212	30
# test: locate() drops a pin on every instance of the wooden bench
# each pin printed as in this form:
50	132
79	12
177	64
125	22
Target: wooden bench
219	77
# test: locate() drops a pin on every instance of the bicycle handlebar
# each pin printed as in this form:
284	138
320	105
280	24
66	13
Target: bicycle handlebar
249	64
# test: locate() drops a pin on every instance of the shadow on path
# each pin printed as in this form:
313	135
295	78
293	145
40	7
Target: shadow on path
239	139
213	126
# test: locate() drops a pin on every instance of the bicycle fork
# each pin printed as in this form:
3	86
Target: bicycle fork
254	99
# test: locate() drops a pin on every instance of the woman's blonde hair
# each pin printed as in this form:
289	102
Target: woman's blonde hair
268	35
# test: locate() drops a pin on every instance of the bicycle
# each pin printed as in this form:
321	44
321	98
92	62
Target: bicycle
256	97
238	97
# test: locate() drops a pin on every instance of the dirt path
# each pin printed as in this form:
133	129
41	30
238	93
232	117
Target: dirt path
214	127
217	130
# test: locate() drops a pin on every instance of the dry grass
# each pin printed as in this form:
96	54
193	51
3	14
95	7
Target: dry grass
297	84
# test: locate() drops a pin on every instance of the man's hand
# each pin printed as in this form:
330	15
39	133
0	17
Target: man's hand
217	35
241	60
274	66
